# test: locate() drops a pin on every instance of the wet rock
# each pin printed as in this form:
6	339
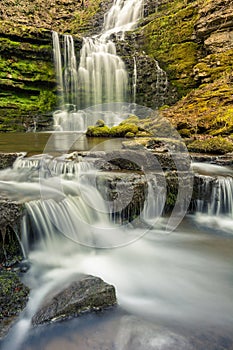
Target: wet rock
13	299
124	192
7	160
10	218
143	160
85	295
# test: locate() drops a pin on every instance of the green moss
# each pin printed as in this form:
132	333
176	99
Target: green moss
186	133
83	16
116	131
27	90
98	131
214	66
169	40
13	294
23	31
17	71
215	145
129	135
46	101
122	129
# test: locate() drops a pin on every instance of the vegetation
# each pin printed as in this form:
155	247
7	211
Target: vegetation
215	145
13	295
168	38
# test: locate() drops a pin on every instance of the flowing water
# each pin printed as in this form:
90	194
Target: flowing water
101	76
215	208
175	290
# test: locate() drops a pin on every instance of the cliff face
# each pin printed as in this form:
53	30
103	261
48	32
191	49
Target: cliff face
27	80
191	39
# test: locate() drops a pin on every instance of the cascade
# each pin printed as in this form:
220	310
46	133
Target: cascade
154	202
161	82
67	81
101	76
134	80
219	192
213	205
66	221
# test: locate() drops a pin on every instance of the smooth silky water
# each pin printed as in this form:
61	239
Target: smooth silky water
174	290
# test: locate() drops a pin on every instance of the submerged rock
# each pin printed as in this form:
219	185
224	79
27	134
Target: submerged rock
85	295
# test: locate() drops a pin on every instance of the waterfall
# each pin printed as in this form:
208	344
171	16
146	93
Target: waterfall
123	16
154	203
135	80
219	192
101	76
161	82
213	204
58	67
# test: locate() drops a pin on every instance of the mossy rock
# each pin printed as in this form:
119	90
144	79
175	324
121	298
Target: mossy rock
185	133
98	131
13	294
116	131
122	129
100	123
168	37
129	135
215	145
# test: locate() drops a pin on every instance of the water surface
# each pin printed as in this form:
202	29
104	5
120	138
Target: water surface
60	142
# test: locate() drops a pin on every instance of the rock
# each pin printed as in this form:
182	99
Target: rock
220	42
143	160
7	159
213	145
214	16
88	294
10	218
125	193
13	299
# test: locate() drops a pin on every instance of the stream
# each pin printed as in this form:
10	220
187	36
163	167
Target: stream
174	290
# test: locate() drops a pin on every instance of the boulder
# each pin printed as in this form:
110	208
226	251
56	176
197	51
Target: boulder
88	294
7	160
13	299
10	218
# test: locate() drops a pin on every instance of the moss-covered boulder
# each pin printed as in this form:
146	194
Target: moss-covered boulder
13	299
120	130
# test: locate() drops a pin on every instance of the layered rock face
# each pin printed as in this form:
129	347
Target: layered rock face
215	25
191	40
27	78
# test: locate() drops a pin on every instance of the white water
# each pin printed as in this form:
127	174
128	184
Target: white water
157	277
101	76
216	208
